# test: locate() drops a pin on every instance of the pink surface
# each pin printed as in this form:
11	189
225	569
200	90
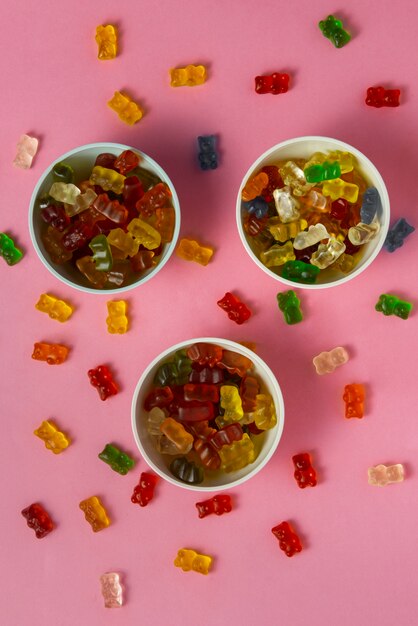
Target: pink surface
358	565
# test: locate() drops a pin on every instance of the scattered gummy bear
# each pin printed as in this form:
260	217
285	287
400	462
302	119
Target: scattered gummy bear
190	560
332	29
59	310
188	76
8	250
106	39
27	148
38	519
117	321
289	304
392	305
111	590
380	97
128	110
383	475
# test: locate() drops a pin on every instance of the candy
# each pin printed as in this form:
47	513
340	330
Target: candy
102	255
128	111
8	250
282	232
54	439
231	403
101	378
326	362
117	322
191	250
106	39
274	83
38	519
188	76
64	192
327	253
217	505
371	205
397	234
289	304
237	311
207	156
380	97
52	353
363	233
63	173
305	474
310	237
175	432
338	188
286	205
144	490
27	147
392	305
186	471
112	591
278	255
265	412
332	29
300	272
322	171
119	461
354	401
190	560
382	475
254	186
289	542
238	454
95	513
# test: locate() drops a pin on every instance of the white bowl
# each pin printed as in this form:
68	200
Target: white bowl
265	443
82	161
302	148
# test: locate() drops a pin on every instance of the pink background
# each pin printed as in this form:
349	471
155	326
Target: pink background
360	552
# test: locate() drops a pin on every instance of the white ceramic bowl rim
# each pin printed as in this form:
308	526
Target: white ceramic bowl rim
105	147
338	145
231	345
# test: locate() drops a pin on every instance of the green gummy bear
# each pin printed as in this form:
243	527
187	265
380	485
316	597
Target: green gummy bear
392	305
289	304
300	272
119	461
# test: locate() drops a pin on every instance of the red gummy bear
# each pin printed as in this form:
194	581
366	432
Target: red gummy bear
38	519
144	490
218	505
304	472
289	542
237	311
380	97
273	83
102	379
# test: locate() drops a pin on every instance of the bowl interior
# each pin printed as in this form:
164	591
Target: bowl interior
304	147
82	161
265	443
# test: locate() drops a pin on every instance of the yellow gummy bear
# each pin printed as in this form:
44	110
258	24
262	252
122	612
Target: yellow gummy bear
191	250
192	560
117	322
106	39
238	454
127	110
189	76
54	439
265	412
56	309
144	233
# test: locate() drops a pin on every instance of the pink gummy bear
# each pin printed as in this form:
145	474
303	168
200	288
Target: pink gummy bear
326	362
